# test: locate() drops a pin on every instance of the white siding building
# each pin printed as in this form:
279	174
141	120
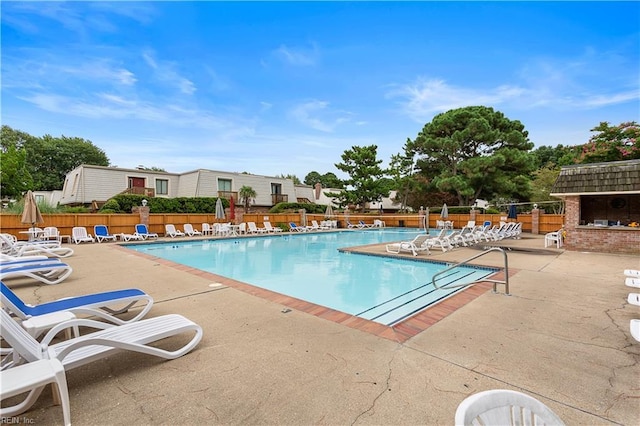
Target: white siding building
87	183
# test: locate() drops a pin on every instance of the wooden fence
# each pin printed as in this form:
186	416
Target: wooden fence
125	223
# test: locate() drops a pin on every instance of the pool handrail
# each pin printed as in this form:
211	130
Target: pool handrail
466	261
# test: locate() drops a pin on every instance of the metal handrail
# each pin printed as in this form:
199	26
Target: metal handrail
466	261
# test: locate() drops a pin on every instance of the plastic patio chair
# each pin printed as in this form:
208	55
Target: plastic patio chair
504	407
32	378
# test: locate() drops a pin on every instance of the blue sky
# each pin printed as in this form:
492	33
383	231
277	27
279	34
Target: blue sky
276	88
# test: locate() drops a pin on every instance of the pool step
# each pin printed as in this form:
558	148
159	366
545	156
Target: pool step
415	300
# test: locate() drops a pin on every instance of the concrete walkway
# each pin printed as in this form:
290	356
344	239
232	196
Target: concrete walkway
562	337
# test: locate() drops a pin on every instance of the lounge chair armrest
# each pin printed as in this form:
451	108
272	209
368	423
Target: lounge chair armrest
80	322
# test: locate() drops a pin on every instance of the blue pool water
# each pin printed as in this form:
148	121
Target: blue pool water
310	267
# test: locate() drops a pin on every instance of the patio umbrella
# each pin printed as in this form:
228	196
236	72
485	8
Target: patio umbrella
444	213
232	209
329	211
513	214
219	209
31	213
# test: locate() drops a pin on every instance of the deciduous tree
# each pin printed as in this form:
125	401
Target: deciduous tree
612	143
49	159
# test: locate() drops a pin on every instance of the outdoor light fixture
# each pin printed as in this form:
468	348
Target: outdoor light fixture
144	203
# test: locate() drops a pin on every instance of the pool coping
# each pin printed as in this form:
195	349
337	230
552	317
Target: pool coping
399	332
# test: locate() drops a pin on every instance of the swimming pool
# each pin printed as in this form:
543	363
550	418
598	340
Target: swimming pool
310	267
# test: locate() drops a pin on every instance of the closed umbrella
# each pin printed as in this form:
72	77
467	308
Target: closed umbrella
31	213
329	212
219	209
513	213
444	213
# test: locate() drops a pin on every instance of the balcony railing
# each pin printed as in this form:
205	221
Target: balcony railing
228	195
279	198
147	192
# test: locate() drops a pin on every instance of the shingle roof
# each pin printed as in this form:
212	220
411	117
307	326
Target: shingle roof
612	177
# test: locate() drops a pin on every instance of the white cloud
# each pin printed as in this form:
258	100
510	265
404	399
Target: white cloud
426	97
164	71
318	116
297	56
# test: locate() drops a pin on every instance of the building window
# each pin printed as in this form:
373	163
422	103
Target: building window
162	187
224	185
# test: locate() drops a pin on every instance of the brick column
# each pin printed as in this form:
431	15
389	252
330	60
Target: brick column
143	211
472	214
535	221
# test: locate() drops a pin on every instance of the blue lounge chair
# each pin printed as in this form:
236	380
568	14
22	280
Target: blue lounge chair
97	304
295	228
142	231
102	233
49	271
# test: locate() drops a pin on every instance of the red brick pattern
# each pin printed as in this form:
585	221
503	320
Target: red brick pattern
604	240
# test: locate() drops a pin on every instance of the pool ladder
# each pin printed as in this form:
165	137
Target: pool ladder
466	261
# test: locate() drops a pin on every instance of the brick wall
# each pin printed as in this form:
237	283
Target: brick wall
608	240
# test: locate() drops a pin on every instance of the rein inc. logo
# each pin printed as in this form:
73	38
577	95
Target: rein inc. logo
17	420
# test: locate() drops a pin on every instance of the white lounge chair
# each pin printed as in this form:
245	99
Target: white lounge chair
270	229
632	282
171	231
105	305
32	378
102	233
190	230
108	339
79	235
415	246
634	299
22	248
504	407
252	228
464	237
142	231
49	271
633	273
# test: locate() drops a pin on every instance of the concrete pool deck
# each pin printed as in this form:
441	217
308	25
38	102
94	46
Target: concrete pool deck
562	337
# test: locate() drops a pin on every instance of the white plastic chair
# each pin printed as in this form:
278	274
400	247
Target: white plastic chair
207	229
553	238
108	339
633	273
632	282
635	329
79	235
51	233
32	378
504	407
